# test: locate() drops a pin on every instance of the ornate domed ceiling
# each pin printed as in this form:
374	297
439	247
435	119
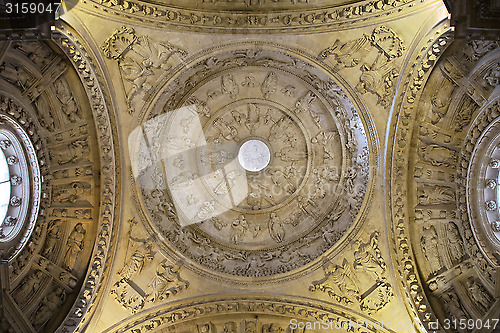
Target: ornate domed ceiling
187	159
250	166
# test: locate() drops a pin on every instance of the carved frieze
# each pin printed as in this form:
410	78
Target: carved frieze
248	19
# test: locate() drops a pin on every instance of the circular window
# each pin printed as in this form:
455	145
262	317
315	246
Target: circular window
483	187
19	184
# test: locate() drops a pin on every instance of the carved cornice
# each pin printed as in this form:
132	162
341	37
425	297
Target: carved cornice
397	173
326	18
283	307
100	260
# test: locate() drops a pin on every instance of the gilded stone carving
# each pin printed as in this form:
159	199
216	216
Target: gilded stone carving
167	282
401	230
377	76
493	75
74	245
479	296
332	16
230	206
346	283
48	306
140	59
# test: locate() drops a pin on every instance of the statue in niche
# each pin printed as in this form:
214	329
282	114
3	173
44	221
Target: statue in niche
238	229
435	194
453	309
68	104
369	258
49	305
74	246
429	243
437	155
479	295
167	282
53	235
30	284
455	242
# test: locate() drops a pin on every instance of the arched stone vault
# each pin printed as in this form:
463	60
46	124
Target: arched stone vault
377	199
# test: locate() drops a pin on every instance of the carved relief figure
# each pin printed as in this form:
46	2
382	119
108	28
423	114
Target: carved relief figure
429	242
30	284
75	150
455	242
142	255
269	85
69	106
369	258
238	229
167	281
453	309
53	235
493	75
479	295
435	194
75	192
229	327
377	75
275	227
139	59
279	128
227	131
437	155
74	246
49	305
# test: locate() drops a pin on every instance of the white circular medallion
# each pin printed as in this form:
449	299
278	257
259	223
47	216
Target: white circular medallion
254	155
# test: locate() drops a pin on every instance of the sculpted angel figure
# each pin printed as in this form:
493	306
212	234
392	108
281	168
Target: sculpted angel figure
167	281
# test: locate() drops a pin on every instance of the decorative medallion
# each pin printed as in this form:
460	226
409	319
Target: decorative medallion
251	162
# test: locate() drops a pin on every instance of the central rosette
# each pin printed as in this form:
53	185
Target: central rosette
253	163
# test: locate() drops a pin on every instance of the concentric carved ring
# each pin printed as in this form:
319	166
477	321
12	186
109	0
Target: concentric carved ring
215	210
